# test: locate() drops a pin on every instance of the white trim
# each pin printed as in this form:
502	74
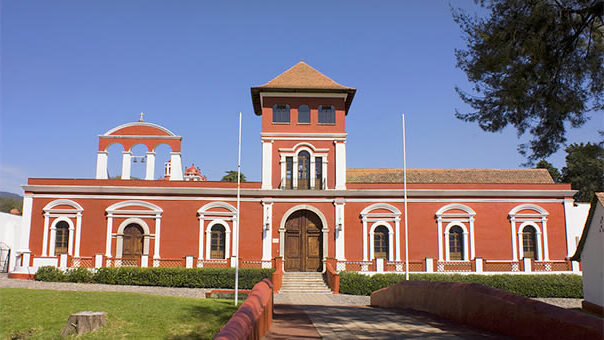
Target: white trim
465	240
114	207
294	152
455	206
53	235
110	132
534	207
215	204
539	252
269	94
227	238
384	206
540	216
325	228
371	239
119	248
51	205
393	216
301	145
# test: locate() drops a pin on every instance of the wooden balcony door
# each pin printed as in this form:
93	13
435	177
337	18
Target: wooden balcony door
303	242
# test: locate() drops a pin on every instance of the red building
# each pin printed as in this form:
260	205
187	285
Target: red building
308	209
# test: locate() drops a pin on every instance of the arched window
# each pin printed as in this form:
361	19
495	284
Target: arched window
380	243
304	170
456	243
218	244
327	114
62	238
133	241
280	113
529	242
303	114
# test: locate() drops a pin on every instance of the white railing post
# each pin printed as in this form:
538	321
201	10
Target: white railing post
527	265
478	264
98	260
145	261
189	261
429	265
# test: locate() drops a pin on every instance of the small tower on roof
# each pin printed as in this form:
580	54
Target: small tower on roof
303	127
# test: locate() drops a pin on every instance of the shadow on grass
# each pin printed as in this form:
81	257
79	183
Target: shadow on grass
208	319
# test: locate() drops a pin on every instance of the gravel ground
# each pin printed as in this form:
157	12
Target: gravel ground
562	302
5	282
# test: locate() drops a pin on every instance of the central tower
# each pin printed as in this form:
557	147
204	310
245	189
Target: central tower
303	130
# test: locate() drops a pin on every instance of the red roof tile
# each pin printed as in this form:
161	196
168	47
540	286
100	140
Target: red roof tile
456	176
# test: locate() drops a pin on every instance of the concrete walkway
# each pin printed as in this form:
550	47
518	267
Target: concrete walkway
337	317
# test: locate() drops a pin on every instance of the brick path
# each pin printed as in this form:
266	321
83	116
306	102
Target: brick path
330	316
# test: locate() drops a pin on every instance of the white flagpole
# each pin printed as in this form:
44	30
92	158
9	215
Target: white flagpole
238	219
405	193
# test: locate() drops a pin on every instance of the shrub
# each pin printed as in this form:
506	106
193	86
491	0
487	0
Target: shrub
163	277
49	273
561	286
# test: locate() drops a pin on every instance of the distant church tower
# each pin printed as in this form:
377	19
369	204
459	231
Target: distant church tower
303	130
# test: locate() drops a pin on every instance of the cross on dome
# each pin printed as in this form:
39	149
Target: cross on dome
140	119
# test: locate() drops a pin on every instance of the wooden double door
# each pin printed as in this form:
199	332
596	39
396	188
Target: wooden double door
303	242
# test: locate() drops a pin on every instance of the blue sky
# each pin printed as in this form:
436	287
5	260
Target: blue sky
72	70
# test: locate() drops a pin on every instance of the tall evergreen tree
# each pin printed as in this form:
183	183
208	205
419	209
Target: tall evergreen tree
584	169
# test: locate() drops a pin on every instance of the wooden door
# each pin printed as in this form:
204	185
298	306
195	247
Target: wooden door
303	242
133	241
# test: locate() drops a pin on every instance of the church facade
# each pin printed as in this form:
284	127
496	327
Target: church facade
308	211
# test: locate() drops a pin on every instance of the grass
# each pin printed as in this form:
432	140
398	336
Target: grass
42	314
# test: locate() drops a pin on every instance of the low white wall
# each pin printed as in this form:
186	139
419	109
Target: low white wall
10	226
576	216
592	260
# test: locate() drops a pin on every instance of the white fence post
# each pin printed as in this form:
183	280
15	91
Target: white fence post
429	265
478	264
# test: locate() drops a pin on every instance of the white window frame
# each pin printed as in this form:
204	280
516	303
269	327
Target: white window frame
368	216
452	218
53	235
227	238
216	212
539	216
372	239
51	212
539	252
464	240
294	153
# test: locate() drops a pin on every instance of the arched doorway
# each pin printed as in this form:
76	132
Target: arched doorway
133	241
303	242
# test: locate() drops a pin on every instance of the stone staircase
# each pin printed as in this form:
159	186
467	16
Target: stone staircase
304	283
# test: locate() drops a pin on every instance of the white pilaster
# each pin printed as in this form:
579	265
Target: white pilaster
478	264
70	241
465	248
283	172
45	237
539	256
267	230
157	236
364	238
545	242
397	233
472	247
201	232
176	166
339	230
324	173
101	165
267	155
150	173
109	231
514	247
340	165
440	238
126	164
313	172
53	237
295	172
28	201
78	234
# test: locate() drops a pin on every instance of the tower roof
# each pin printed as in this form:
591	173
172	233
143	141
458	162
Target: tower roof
301	78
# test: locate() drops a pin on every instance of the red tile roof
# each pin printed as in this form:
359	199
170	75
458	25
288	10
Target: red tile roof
301	78
455	176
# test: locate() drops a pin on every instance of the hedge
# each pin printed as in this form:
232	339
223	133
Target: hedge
163	277
546	285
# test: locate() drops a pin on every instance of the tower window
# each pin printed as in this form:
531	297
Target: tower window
327	114
289	169
303	170
319	173
280	113
303	114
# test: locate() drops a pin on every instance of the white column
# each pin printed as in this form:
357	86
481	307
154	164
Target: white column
126	158
53	236
150	173
390	249
201	232
98	260
101	165
545	243
176	166
157	235
283	172
440	238
209	238
340	165
339	230
571	246
472	246
513	231
478	264
267	230
539	256
25	223
324	179
521	248
267	155
45	237
465	248
397	233
78	234
364	238
313	172
295	171
109	231
70	241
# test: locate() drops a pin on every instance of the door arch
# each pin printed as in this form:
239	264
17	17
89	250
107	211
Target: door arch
303	242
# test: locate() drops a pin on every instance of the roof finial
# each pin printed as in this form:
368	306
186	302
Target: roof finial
140	119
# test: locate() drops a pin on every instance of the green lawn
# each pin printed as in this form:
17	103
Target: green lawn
42	314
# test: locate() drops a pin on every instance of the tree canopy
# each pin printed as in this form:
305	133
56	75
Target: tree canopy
535	65
553	171
231	176
584	169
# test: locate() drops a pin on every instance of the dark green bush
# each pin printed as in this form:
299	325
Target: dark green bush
555	285
163	277
49	273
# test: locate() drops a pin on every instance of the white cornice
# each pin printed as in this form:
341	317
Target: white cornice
352	193
302	134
